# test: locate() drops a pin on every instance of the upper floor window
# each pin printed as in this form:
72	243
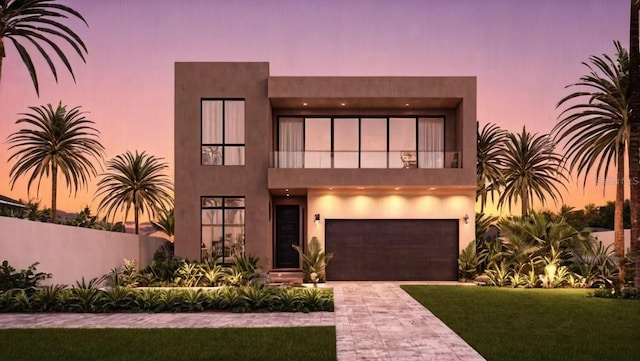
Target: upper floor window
222	141
363	142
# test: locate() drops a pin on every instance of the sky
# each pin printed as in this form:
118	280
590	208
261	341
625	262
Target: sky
523	54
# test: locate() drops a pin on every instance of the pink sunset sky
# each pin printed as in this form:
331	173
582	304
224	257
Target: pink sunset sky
523	54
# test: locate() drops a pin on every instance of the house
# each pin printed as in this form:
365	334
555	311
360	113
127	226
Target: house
380	169
10	207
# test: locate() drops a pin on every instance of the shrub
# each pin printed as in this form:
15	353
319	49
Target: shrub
314	260
617	292
25	279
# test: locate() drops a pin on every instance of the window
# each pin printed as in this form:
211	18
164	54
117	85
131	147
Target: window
345	143
222	141
431	142
362	142
317	143
222	220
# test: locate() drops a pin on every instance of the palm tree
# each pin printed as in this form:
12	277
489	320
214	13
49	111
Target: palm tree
634	138
490	156
134	181
36	22
166	222
58	140
531	168
597	130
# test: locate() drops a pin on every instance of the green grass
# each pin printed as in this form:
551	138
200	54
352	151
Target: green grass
538	324
294	343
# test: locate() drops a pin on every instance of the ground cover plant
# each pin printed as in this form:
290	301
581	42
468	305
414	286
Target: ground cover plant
264	344
536	324
87	297
203	287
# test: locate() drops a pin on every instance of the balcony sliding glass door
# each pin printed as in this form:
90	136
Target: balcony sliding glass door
366	142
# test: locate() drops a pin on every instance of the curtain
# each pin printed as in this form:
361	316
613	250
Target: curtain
431	143
234	132
290	143
211	122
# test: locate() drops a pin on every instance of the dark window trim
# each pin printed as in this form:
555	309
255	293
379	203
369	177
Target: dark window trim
222	145
223	208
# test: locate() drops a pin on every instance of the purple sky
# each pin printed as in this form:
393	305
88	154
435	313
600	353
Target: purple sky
522	52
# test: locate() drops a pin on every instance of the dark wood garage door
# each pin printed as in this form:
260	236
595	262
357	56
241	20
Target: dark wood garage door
392	249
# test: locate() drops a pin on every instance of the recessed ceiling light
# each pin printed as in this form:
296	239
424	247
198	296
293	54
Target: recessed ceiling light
287	194
361	188
406	104
305	104
397	188
343	104
330	189
432	189
286	190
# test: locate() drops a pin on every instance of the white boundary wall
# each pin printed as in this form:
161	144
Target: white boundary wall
607	238
67	252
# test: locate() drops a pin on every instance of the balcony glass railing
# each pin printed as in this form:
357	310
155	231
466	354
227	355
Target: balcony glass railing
365	159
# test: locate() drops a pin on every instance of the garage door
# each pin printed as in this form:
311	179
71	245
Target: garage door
392	249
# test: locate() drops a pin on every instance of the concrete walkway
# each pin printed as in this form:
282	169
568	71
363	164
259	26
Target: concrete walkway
374	321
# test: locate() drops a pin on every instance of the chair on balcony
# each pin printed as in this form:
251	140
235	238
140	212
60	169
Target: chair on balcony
409	160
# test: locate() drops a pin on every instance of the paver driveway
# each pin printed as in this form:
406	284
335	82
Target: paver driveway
374	321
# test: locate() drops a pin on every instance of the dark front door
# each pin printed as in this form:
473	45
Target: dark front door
287	235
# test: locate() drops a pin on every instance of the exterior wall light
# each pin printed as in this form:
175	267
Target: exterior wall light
466	219
316	219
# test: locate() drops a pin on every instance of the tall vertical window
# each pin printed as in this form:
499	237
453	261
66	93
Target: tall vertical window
317	143
373	143
222	141
431	142
291	143
222	220
402	143
345	143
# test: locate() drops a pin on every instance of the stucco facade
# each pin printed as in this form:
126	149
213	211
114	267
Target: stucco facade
273	176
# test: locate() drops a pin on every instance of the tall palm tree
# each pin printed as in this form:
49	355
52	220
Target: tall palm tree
634	141
531	168
36	22
490	157
57	140
596	130
134	181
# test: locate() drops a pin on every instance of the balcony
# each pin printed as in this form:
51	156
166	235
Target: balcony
366	160
318	170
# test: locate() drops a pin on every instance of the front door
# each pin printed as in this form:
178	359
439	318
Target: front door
287	235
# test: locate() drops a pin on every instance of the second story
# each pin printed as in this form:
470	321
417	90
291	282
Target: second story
311	132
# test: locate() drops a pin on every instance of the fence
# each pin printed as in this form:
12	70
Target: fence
70	253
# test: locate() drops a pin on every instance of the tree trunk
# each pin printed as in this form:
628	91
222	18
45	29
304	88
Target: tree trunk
618	225
634	137
525	202
1	55
136	218
54	193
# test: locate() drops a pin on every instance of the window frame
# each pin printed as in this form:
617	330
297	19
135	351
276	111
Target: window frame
223	145
223	208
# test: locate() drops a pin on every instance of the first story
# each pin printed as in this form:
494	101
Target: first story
373	233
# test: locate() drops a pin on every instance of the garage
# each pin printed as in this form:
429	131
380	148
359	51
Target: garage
392	249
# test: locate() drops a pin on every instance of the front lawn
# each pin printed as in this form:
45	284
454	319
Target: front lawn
536	324
270	344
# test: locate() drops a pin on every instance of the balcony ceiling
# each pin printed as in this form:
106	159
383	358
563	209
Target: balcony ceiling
365	103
